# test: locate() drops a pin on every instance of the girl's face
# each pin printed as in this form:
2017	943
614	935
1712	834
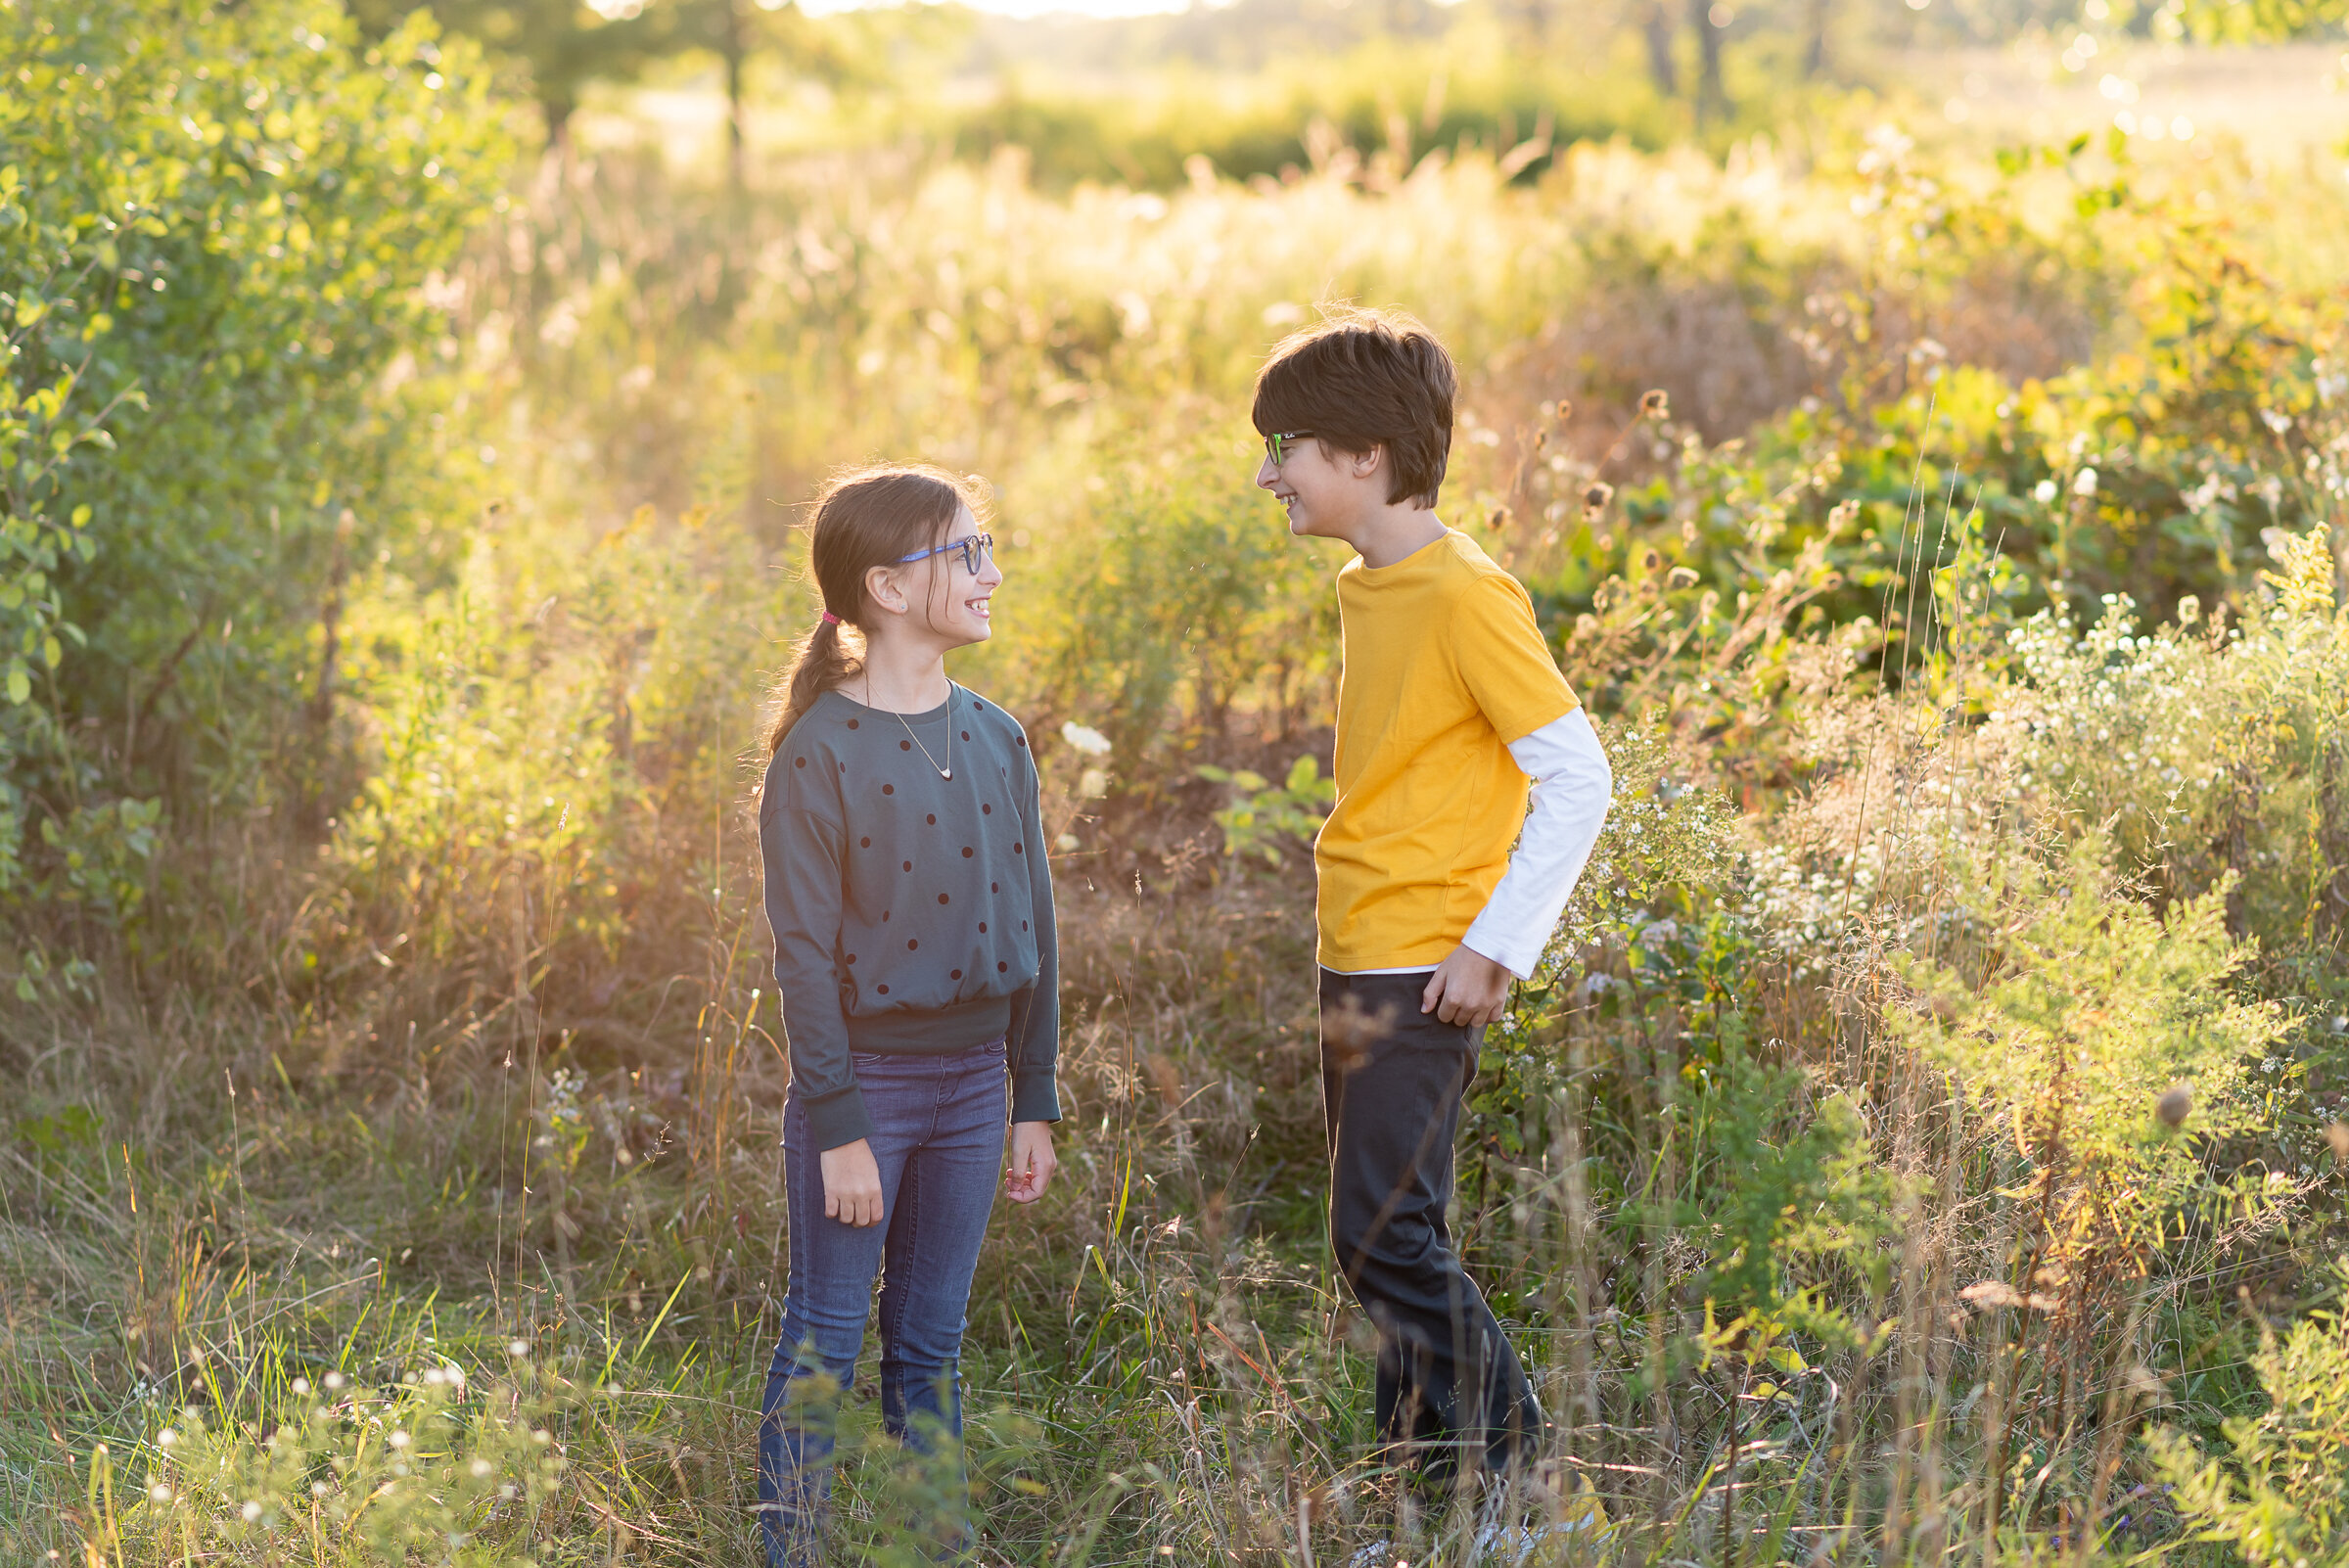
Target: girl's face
957	597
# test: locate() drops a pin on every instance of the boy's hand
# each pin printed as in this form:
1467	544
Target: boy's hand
1031	1162
851	1184
1468	989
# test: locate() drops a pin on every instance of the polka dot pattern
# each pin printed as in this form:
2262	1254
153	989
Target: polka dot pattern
946	869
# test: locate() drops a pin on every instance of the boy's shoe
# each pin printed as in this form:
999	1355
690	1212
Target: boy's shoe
1507	1545
1377	1554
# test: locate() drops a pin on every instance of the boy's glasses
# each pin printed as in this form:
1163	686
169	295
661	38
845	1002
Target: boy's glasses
975	548
1276	446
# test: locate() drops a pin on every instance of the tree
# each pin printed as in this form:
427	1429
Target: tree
1655	29
735	31
562	45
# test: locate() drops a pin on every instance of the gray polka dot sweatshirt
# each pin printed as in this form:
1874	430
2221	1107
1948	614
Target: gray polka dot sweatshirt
912	914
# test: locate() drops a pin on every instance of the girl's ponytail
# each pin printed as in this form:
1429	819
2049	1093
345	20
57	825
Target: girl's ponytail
821	664
866	518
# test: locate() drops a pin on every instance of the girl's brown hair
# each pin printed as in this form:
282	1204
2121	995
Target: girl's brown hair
866	517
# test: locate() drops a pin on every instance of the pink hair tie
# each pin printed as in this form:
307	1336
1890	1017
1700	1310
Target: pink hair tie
831	619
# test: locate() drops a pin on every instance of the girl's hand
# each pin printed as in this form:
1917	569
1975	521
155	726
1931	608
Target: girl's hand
1031	1162
851	1184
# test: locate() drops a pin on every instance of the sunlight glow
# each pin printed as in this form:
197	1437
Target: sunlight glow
1025	9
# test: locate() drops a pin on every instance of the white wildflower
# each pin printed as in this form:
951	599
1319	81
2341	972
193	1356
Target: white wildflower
1085	738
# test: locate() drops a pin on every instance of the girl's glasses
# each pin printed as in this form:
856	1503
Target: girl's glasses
975	548
1276	446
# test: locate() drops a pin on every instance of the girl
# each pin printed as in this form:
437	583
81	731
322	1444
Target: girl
912	903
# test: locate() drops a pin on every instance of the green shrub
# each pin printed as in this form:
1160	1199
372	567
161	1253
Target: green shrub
2280	1491
213	233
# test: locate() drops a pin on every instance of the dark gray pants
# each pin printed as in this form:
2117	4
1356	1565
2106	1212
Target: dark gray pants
1450	1390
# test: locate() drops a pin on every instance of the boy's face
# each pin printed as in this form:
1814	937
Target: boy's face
1326	492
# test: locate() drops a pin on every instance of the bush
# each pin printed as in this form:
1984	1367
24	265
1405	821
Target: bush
2280	1492
213	281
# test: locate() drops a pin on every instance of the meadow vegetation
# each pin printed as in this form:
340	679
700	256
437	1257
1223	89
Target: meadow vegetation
1923	1140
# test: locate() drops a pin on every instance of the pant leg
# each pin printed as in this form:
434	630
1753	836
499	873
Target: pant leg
944	1203
1393	1080
933	1242
827	1296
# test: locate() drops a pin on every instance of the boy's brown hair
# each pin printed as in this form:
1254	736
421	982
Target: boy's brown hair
1362	379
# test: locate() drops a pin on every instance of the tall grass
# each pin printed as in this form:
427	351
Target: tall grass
1827	1173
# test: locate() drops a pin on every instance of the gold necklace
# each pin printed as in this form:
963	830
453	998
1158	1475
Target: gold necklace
943	772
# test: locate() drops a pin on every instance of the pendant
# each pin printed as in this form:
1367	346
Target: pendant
946	772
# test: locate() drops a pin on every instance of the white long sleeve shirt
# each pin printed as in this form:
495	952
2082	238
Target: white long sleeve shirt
1571	788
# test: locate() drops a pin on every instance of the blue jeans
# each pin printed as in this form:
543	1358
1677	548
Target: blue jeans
937	1136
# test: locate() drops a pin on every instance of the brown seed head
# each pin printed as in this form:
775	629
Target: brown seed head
1541	439
1596	500
1348	1031
2176	1104
1656	404
1169	1081
1565	412
1501	515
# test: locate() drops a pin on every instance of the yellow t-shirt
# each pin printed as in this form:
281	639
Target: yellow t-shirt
1444	665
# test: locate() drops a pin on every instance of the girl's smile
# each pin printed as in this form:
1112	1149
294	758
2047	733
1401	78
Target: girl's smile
959	601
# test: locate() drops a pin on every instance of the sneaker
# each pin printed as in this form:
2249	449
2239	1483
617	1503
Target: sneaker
1377	1554
1510	1546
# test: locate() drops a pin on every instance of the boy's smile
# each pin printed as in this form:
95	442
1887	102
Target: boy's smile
1329	493
1311	489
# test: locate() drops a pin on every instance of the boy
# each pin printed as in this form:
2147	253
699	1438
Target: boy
1449	702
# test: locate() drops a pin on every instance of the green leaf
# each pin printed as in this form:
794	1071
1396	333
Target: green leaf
20	684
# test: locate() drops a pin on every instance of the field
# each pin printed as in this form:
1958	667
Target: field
1924	1142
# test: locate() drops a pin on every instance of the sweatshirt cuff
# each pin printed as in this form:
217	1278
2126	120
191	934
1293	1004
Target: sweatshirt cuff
1517	958
837	1119
1034	1096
